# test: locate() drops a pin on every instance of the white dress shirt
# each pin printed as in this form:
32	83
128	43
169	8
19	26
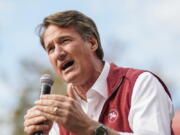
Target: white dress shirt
146	116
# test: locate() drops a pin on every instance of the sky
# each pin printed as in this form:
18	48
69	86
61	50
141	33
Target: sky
148	29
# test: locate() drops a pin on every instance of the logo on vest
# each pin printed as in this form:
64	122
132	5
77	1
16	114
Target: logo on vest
113	115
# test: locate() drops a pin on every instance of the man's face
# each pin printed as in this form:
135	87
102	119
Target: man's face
73	58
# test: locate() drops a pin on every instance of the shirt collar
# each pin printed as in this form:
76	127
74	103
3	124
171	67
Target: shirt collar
100	86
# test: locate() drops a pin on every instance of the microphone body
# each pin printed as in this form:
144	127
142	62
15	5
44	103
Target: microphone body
46	83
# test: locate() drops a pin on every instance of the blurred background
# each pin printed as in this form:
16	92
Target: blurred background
134	33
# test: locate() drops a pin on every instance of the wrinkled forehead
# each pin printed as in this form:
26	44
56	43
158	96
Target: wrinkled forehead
53	32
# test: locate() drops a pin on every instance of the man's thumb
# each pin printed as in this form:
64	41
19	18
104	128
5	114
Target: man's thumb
71	92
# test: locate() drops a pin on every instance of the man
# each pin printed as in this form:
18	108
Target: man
103	99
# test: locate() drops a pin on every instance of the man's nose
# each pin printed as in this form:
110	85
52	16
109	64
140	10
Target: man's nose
60	53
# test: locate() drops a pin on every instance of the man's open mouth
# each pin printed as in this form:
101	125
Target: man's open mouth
67	65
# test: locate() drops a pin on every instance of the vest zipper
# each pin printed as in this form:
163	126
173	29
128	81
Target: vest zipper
106	102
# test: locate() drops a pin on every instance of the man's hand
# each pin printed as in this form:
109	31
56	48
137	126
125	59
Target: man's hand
32	121
66	111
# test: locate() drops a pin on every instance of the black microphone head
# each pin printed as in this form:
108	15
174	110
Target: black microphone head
46	83
46	79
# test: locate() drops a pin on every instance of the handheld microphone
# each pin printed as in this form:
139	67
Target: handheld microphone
46	83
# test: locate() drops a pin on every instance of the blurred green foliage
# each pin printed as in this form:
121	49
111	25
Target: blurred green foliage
31	71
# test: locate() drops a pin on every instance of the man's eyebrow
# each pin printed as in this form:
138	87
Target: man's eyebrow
62	37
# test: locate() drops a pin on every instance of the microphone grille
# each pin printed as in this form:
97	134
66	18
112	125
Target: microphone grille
47	79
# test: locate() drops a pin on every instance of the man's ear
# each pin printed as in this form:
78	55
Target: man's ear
93	43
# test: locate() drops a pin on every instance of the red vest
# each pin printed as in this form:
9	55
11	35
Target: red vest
116	109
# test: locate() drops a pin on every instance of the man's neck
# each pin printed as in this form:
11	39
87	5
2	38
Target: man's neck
82	90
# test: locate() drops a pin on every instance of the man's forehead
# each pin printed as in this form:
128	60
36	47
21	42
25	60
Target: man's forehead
53	32
52	28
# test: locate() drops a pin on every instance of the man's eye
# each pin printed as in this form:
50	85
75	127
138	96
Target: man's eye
65	41
50	49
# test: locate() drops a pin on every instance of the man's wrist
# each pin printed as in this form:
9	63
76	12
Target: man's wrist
100	130
91	128
96	128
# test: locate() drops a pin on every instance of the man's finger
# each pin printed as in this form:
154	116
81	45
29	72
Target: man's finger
32	113
52	103
34	121
53	97
35	128
52	110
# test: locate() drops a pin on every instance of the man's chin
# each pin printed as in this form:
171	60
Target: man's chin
70	79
